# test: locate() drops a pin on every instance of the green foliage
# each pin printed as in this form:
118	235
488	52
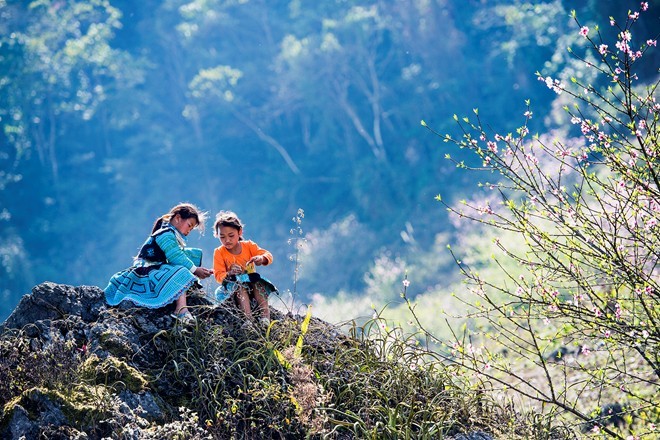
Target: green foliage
131	97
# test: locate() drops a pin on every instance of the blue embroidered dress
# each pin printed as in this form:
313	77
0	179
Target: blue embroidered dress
161	273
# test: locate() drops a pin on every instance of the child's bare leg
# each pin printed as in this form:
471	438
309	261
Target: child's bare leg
181	305
243	301
262	300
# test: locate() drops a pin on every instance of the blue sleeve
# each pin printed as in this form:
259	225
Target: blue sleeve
173	252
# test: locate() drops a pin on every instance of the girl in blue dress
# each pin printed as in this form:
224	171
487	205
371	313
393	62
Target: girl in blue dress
165	268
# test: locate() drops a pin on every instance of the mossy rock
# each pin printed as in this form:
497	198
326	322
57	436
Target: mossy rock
113	373
115	343
80	406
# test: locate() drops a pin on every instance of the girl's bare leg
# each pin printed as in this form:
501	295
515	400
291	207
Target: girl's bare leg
243	301
181	305
262	300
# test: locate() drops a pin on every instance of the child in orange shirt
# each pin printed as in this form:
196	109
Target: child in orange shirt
233	265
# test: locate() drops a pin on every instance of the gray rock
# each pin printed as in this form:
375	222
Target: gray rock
20	425
49	301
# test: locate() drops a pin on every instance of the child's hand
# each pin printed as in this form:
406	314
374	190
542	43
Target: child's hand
202	272
259	260
235	269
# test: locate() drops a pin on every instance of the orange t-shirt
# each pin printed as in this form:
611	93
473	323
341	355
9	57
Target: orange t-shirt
223	259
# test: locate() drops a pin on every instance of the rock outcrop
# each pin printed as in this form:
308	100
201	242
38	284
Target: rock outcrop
71	367
119	357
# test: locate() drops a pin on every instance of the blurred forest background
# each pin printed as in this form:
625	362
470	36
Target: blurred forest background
112	111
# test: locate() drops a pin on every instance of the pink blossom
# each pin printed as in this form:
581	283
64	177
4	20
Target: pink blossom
564	152
406	283
645	6
584	30
623	46
485	210
634	16
651	42
492	147
528	114
555	85
602	49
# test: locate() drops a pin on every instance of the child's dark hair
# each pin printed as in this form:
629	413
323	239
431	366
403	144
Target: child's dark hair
226	218
185	211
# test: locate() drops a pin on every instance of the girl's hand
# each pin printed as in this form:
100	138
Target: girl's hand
202	272
235	269
259	260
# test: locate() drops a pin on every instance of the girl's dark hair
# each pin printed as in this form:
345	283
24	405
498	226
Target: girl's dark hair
185	211
226	218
